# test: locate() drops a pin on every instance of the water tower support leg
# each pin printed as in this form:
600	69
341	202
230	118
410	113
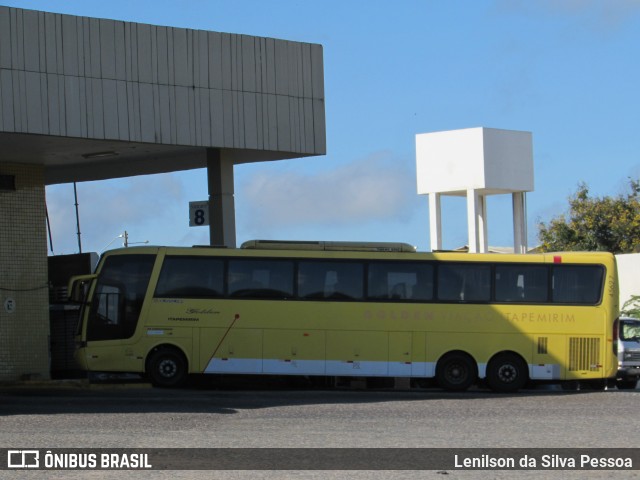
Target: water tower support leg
519	222
435	221
476	221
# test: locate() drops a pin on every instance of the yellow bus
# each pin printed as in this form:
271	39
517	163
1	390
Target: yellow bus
343	309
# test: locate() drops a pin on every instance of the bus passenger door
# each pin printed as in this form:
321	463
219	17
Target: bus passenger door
107	331
111	319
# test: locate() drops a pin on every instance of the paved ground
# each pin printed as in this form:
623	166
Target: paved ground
136	416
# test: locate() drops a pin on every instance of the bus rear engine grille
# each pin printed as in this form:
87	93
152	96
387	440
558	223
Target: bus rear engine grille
584	354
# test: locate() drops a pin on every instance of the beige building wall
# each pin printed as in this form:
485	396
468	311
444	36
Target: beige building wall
24	294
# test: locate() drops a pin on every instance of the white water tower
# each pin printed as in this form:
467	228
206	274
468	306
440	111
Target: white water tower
476	162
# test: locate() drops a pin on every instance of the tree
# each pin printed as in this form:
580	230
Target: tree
595	224
631	307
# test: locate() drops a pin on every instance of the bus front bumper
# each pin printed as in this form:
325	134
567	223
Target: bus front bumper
80	356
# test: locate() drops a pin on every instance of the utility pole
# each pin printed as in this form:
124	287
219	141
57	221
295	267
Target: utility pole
75	195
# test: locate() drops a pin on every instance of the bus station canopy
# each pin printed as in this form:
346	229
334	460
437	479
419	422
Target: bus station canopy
92	99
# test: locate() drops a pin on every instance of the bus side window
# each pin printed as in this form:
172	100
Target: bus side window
190	277
423	289
521	283
577	284
399	291
345	282
310	282
377	288
464	282
251	278
449	284
411	281
330	280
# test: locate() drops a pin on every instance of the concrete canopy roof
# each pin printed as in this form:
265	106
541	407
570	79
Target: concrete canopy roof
118	98
69	159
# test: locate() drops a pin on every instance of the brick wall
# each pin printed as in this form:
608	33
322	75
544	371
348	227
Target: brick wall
24	325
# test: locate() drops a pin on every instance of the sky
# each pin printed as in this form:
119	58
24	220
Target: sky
565	70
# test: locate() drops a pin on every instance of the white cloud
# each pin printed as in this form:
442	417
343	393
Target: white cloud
597	15
379	187
148	207
270	198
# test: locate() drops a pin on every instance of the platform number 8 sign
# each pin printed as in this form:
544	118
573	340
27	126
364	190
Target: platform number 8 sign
198	214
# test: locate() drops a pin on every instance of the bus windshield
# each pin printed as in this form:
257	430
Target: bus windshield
118	296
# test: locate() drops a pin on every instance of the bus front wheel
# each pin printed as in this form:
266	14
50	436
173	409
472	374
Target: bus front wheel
167	368
456	372
507	373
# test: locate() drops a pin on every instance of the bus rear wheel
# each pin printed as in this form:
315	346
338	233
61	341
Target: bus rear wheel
167	368
456	372
507	373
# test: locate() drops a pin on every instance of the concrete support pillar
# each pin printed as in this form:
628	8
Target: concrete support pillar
476	221
222	215
483	225
519	222
435	221
24	288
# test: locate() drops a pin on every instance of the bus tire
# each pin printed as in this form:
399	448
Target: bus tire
167	368
627	384
456	372
506	373
597	385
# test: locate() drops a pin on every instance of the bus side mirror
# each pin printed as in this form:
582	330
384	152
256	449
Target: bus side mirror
79	287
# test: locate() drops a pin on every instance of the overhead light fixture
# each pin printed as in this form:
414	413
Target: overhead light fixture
109	153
